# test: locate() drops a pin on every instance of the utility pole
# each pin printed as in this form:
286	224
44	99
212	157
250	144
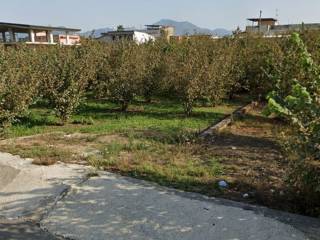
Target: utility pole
260	21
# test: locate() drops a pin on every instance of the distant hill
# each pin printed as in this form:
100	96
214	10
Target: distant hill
182	28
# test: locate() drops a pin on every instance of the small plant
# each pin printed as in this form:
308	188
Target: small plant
84	121
216	167
96	161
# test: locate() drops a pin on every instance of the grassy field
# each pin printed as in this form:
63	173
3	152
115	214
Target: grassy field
157	142
151	141
163	116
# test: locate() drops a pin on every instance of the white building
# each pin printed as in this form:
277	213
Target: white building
132	35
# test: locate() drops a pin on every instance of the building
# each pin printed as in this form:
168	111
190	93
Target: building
270	27
150	33
199	36
261	25
12	33
160	31
130	35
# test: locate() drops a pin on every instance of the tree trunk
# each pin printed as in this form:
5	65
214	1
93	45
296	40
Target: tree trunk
124	106
188	108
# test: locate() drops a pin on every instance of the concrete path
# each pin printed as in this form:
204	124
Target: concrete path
23	230
59	202
27	190
114	207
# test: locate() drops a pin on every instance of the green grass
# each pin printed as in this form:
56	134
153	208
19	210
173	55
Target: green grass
165	117
154	141
175	165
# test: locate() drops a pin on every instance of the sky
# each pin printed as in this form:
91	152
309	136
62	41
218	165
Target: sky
93	14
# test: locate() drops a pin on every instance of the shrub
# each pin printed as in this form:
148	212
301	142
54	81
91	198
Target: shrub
262	56
66	72
201	68
297	99
122	74
155	69
188	66
218	79
18	82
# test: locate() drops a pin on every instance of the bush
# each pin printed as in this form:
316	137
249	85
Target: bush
261	56
122	73
66	72
219	79
197	69
155	69
19	82
296	98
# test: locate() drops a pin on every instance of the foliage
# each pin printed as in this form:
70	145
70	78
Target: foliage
297	98
155	69
261	56
65	74
123	71
197	68
120	28
18	82
191	69
185	69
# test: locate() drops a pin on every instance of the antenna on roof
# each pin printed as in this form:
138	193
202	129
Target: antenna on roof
277	14
260	20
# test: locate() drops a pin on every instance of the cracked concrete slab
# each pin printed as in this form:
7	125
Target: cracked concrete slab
21	230
27	190
115	207
7	175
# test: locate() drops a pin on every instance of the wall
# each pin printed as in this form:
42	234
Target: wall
140	37
282	29
73	39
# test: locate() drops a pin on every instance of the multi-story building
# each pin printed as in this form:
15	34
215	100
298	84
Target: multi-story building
151	33
160	31
270	27
12	33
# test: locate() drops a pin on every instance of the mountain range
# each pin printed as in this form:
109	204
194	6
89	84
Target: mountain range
181	28
188	28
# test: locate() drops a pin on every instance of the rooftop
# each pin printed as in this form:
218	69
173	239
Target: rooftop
157	26
122	32
153	25
4	26
262	19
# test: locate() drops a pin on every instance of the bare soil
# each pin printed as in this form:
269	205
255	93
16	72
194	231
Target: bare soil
253	162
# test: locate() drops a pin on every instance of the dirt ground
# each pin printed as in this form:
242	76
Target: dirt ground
248	152
254	165
48	149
